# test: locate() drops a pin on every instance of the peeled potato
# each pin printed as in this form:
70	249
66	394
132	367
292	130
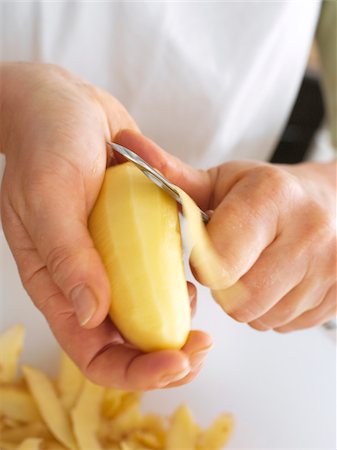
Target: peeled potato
135	228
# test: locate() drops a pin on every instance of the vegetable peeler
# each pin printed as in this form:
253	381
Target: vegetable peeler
152	174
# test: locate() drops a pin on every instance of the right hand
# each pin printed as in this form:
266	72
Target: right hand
53	130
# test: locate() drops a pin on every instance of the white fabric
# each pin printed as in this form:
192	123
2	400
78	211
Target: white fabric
209	81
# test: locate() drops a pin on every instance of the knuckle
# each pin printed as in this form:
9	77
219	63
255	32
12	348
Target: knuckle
325	224
317	232
283	330
273	177
278	184
59	262
239	302
29	274
34	185
256	325
50	307
289	312
243	314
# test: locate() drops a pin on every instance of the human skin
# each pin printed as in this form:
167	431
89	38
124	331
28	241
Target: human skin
273	227
53	131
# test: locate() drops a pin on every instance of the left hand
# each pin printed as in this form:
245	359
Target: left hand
53	130
274	228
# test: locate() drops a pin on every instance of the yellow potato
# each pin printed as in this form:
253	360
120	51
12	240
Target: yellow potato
11	342
135	228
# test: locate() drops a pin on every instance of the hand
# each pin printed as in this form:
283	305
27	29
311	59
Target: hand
54	127
274	229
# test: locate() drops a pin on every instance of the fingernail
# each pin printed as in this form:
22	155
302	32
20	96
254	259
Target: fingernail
84	303
192	290
203	350
199	355
210	213
173	377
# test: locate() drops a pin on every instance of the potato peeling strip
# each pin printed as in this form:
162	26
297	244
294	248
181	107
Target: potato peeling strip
101	418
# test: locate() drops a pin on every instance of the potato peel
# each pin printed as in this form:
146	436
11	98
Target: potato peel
11	343
86	416
69	382
30	444
17	404
50	406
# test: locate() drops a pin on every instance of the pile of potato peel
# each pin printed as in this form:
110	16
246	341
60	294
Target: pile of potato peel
70	412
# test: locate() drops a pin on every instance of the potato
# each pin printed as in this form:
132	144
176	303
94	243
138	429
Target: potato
135	228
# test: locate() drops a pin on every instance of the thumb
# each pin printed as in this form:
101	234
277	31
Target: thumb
196	183
57	225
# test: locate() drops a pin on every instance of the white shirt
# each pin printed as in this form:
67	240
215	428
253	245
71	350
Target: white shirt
208	81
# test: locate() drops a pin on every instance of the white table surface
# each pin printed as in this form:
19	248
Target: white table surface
280	388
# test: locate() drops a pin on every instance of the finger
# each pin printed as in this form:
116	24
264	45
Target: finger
197	348
196	183
300	299
192	292
57	225
128	368
266	283
247	220
116	114
189	377
316	316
